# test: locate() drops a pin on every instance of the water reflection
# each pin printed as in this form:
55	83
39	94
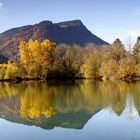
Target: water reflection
69	104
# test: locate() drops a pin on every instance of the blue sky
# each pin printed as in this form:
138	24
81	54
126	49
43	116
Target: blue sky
107	19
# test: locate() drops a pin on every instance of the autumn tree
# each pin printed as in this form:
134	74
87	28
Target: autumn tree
24	53
127	69
36	56
92	62
2	71
43	59
67	61
118	50
12	71
108	70
136	50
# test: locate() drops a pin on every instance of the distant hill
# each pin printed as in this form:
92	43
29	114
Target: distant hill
69	32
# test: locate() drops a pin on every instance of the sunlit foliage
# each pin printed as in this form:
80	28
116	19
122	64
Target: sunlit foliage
44	59
36	56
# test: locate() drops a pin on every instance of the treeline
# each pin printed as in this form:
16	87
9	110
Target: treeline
45	59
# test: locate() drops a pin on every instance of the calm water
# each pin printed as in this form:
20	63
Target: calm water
72	110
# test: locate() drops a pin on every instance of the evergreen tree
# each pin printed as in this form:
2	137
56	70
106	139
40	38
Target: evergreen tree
118	49
136	50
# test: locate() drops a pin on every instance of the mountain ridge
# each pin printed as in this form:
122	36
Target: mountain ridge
66	32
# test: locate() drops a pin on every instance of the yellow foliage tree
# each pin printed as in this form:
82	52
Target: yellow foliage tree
24	53
11	71
36	55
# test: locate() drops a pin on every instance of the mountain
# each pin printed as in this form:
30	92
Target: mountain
3	59
69	32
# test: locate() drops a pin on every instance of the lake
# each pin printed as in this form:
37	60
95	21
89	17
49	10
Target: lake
70	110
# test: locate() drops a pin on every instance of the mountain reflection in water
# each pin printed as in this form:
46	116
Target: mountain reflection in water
69	104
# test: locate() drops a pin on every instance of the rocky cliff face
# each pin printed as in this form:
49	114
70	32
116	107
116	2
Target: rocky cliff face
69	32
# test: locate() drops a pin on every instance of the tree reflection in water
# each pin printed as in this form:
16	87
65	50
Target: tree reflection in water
69	104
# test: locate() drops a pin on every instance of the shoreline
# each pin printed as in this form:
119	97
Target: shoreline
18	79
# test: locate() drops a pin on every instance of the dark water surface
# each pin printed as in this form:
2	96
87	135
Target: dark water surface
70	110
